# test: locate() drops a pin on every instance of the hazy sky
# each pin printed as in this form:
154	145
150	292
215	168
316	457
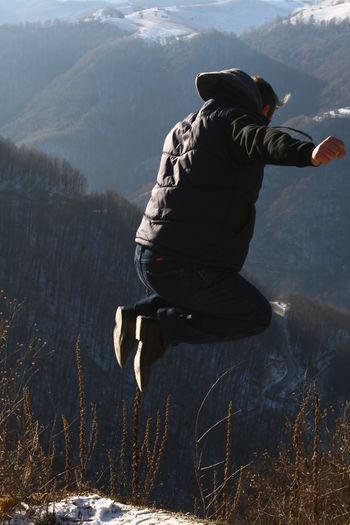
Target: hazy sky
110	1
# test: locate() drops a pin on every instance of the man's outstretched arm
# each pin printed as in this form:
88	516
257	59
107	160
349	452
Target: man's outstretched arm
256	143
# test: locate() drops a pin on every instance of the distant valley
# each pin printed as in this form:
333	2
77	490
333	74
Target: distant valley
104	101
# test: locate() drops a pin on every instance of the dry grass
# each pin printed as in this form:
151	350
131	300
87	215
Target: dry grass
27	458
24	466
306	482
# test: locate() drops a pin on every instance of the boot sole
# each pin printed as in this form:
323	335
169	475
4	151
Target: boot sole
140	332
145	355
122	348
142	372
137	367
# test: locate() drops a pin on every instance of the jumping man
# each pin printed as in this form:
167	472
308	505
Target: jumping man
195	233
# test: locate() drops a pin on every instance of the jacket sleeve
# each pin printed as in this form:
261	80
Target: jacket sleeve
252	142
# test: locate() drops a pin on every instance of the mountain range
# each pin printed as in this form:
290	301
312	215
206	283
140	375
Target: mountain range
157	19
86	93
322	51
94	104
323	11
163	19
169	19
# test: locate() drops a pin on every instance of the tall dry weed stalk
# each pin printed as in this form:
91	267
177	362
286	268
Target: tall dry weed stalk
221	502
87	440
225	506
68	463
123	476
44	459
136	445
154	464
82	434
147	452
299	428
315	459
111	475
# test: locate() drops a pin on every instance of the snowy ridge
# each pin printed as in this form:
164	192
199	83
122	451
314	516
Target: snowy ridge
96	510
335	113
231	16
324	11
157	19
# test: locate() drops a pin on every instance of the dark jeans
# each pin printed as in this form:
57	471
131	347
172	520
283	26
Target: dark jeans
196	303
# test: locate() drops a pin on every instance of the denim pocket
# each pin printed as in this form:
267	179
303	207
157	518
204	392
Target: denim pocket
160	270
212	275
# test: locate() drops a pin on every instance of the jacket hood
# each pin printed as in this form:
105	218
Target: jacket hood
233	85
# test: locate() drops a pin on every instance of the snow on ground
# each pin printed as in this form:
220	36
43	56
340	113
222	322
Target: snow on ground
232	16
336	113
96	510
324	12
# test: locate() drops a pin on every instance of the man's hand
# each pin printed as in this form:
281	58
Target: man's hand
328	150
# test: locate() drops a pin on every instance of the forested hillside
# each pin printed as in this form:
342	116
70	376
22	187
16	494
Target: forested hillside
301	243
321	50
108	103
87	93
32	57
68	257
66	254
305	214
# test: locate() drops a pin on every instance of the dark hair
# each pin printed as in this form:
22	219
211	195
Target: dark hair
268	96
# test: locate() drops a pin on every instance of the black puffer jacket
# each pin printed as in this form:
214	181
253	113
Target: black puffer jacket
211	171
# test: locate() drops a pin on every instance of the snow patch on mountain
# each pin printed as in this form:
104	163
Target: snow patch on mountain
335	113
150	24
108	15
324	11
231	16
157	19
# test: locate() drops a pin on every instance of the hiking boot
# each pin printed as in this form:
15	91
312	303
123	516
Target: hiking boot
124	334
150	348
